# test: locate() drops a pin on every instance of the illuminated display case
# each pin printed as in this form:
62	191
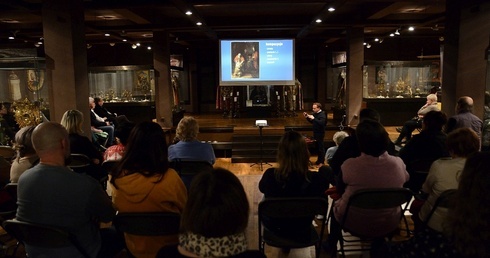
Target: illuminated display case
401	79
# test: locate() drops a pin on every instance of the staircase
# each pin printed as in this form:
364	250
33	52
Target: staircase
246	148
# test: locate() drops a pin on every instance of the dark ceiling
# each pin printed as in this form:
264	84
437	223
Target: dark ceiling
136	20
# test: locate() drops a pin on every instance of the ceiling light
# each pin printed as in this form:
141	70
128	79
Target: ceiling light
112	44
397	33
318	20
331	9
198	23
107	34
40	42
134	46
89	46
188	13
411	28
124	40
368	45
381	41
36	45
11	37
364	43
149	48
392	34
138	44
376	39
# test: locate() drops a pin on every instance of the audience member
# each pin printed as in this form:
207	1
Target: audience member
189	147
102	112
464	117
466	228
444	174
416	122
214	219
51	194
26	155
337	138
349	148
115	152
7	123
79	144
143	182
485	138
427	146
374	168
100	123
319	121
292	179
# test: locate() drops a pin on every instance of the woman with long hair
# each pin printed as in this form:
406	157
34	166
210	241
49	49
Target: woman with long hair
143	182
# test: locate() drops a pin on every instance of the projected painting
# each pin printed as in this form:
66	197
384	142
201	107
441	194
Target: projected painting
245	59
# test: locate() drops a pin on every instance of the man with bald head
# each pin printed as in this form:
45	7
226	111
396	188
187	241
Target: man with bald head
464	117
52	194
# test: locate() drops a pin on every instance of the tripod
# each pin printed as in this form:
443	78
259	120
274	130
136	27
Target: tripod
261	149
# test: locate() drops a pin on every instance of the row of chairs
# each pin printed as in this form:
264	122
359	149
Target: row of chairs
153	224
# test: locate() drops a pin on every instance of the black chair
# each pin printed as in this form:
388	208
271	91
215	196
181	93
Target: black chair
78	162
374	199
418	170
304	209
147	223
187	169
443	201
41	235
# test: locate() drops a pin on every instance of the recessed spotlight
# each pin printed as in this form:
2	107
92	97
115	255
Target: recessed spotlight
107	34
376	39
11	37
124	40
36	45
40	42
198	23
318	20
188	13
397	33
392	34
368	45
138	44
381	41
134	46
411	28
331	9
89	46
149	48
364	43
112	44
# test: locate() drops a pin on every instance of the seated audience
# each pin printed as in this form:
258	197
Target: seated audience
292	179
189	147
102	112
115	152
428	145
143	182
214	219
375	168
464	117
26	155
51	194
465	227
79	144
100	123
444	174
416	122
338	137
349	148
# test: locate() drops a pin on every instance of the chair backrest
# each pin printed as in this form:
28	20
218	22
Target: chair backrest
443	201
288	208
41	235
148	223
78	160
380	198
190	167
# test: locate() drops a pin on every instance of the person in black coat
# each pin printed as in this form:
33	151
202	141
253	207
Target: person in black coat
319	121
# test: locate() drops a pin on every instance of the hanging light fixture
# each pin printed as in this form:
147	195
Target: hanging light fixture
397	32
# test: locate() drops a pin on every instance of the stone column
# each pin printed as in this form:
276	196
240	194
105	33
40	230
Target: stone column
163	86
355	61
66	58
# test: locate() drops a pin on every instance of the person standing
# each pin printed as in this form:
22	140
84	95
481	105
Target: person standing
464	117
319	121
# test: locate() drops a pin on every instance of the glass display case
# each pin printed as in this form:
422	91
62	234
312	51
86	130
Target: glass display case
401	79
